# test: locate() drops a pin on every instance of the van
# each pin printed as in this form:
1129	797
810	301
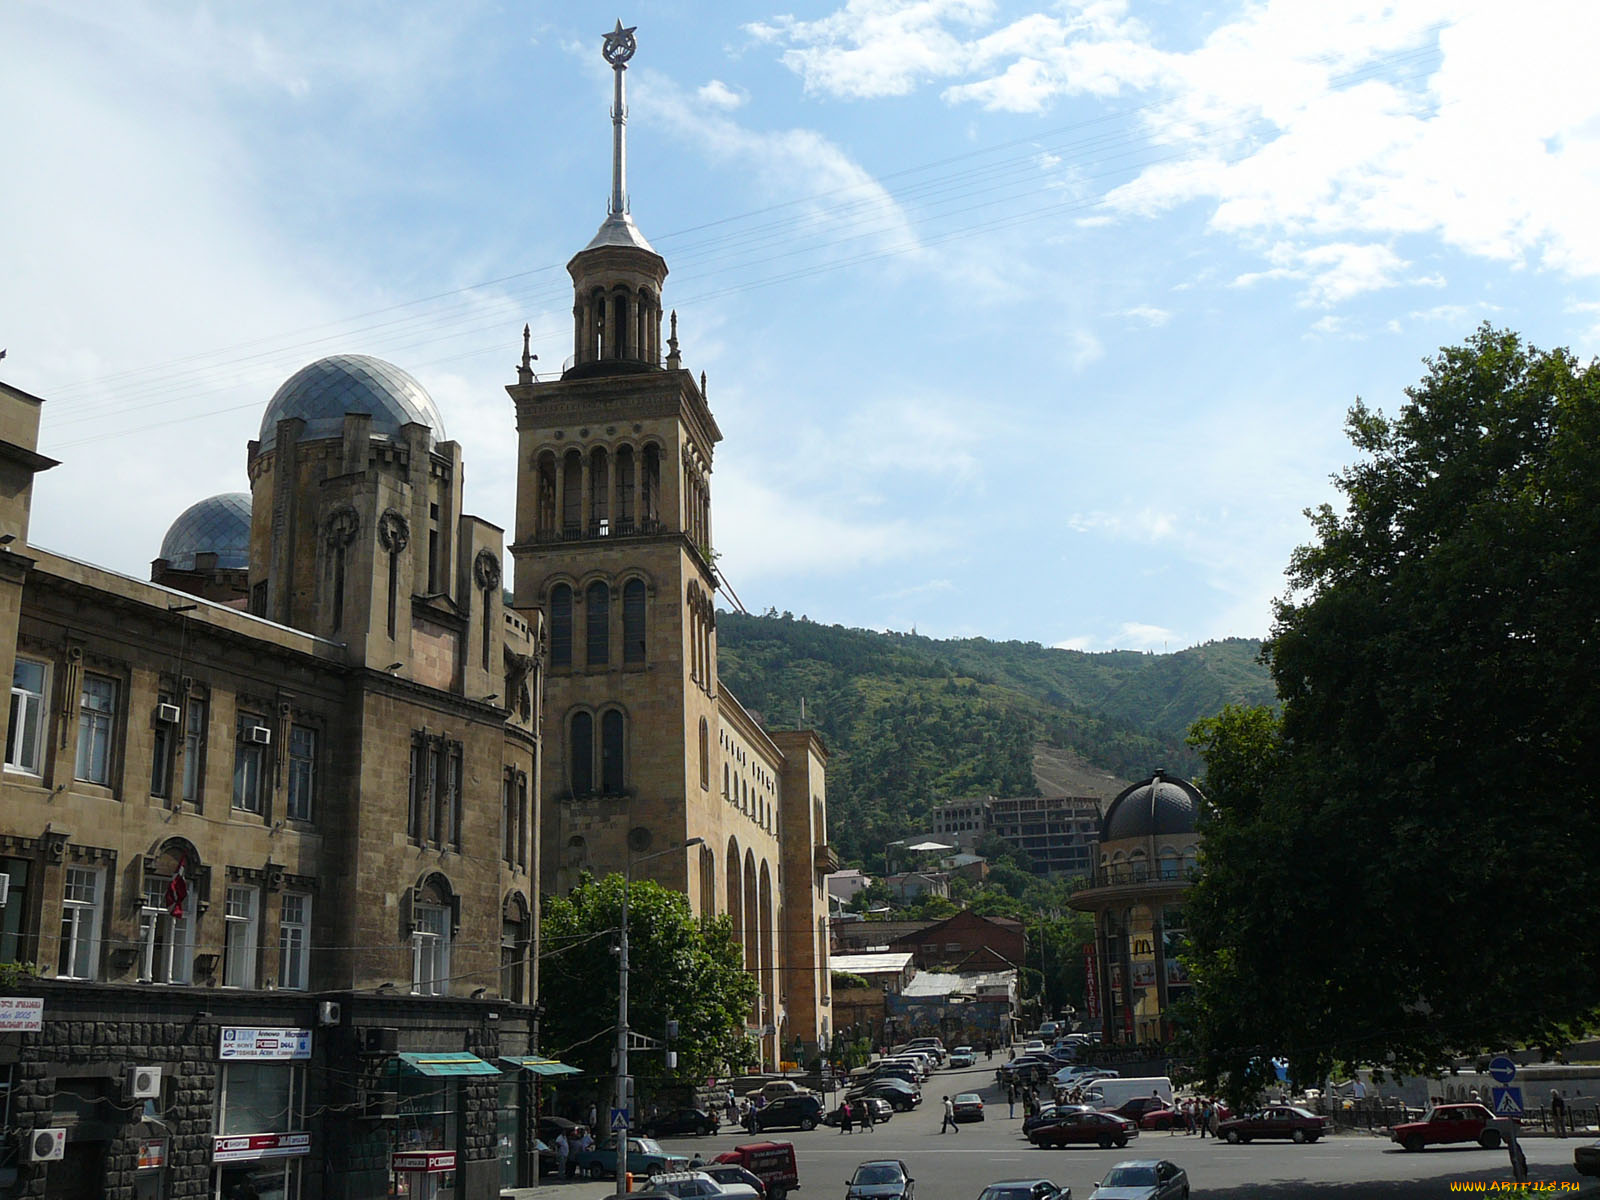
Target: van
1109	1093
771	1162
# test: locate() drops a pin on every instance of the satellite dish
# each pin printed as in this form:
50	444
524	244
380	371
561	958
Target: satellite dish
639	839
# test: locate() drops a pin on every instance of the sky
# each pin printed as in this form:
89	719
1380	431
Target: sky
1024	321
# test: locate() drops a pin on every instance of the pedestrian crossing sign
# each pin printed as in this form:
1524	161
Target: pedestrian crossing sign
1507	1101
619	1120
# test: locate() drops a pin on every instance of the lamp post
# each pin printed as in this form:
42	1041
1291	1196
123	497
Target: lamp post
624	1098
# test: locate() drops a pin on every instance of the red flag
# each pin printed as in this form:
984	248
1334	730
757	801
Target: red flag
177	889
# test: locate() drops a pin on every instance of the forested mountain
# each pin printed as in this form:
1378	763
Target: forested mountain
909	721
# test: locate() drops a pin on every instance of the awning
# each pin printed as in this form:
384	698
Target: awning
540	1066
445	1062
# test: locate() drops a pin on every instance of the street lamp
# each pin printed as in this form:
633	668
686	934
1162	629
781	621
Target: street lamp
623	1097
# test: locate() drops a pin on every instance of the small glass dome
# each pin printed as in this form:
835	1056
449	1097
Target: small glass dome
218	525
321	393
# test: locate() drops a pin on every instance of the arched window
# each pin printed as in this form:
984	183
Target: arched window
633	614
725	793
580	754
625	508
705	754
1169	863
597	622
547	495
599	493
561	626
572	495
611	756
650	487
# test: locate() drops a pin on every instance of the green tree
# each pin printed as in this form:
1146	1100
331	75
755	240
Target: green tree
680	969
1395	870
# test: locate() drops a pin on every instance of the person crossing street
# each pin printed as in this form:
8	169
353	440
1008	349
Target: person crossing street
949	1117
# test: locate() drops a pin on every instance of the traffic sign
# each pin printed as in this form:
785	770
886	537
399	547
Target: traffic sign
619	1120
1507	1101
1502	1069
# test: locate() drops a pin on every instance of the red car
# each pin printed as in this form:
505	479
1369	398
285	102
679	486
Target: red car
1163	1118
1279	1121
1086	1128
1449	1123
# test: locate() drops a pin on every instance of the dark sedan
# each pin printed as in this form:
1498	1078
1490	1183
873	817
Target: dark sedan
1587	1159
1049	1114
1279	1121
1086	1129
882	1110
682	1122
901	1096
883	1179
788	1112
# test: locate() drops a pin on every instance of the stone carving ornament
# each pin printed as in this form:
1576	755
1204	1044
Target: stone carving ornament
393	531
343	523
486	571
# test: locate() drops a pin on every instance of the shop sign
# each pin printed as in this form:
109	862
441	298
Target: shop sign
249	1146
243	1043
427	1162
1091	986
152	1154
21	1014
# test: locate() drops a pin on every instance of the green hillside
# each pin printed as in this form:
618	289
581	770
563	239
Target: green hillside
909	721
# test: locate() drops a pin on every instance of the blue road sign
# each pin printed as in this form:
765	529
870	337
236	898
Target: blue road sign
1502	1069
619	1120
1507	1101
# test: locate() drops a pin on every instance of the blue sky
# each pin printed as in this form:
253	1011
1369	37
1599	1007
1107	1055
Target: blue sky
1020	320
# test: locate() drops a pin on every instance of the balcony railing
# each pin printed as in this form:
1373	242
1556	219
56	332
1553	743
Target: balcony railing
601	529
1119	874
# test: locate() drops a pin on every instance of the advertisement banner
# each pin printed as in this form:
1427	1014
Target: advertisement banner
247	1147
427	1162
1091	983
21	1014
152	1154
243	1043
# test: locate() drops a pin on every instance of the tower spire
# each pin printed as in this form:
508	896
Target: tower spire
617	50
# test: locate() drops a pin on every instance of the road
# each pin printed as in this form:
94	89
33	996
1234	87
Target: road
957	1166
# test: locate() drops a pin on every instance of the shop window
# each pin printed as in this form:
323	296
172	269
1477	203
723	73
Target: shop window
241	934
294	942
302	772
430	950
428	1119
97	718
166	942
30	683
264	1102
194	750
249	765
82	910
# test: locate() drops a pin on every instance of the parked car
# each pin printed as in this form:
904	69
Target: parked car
967	1106
681	1122
1049	1114
727	1173
882	1110
895	1070
1143	1179
788	1112
1134	1109
697	1185
900	1094
1048	1031
1025	1189
645	1157
963	1056
1448	1123
1162	1118
1027	1068
881	1179
1085	1129
777	1089
1033	1046
771	1162
1279	1121
929	1043
1586	1159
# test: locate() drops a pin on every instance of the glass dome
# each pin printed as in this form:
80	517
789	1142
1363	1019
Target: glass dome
323	392
218	525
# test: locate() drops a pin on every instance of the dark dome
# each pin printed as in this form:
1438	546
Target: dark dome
323	392
1157	806
218	525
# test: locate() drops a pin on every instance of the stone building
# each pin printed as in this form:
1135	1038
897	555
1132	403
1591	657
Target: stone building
1057	833
1149	845
268	827
613	542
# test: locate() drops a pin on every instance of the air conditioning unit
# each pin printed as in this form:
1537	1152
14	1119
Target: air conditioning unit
5	889
328	1012
168	714
259	734
380	1105
383	1039
47	1145
142	1083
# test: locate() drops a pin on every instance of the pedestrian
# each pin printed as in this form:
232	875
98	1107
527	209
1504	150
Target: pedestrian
1214	1118
1011	1099
594	1116
1189	1116
846	1118
868	1117
1205	1117
1558	1112
949	1117
563	1150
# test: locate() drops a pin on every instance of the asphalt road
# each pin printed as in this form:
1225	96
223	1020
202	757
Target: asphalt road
958	1166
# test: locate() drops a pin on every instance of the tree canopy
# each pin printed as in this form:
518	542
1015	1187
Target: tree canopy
680	969
1401	868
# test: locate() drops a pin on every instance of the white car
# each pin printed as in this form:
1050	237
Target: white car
1033	1046
963	1056
697	1185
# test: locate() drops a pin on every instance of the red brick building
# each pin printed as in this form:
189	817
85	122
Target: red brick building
967	941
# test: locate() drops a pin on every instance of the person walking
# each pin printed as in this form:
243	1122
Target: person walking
563	1149
1205	1117
1011	1099
594	1116
949	1117
1558	1112
868	1117
846	1118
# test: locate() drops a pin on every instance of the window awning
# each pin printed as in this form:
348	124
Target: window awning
540	1066
445	1062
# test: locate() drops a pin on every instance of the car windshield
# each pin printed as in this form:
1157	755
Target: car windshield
1130	1177
645	1145
1014	1192
872	1173
968	1098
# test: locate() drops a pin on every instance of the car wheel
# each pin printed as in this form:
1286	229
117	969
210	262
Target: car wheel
777	1193
1121	1142
1413	1143
1311	1138
594	1171
807	1124
1299	1137
1105	1143
1233	1137
1490	1139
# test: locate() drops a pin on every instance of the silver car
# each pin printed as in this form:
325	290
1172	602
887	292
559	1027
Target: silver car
1143	1179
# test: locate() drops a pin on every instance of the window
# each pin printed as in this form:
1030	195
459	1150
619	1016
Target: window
25	736
249	766
81	906
194	749
240	932
580	753
633	613
434	813
16	940
597	624
430	950
514	817
166	942
294	942
561	626
162	751
97	715
302	771
513	954
705	755
611	773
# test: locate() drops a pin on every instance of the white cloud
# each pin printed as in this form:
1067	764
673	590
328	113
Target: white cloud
717	94
1149	314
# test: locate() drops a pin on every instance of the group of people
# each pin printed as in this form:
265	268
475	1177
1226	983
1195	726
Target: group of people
568	1148
850	1115
1197	1114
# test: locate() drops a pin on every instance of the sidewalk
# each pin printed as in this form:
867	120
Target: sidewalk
574	1189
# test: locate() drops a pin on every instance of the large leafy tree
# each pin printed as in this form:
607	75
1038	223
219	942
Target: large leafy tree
1401	867
680	968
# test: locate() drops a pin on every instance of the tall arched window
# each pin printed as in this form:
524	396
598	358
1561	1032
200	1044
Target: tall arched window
625	507
611	757
547	495
597	622
561	626
599	493
705	754
580	754
633	613
572	495
650	487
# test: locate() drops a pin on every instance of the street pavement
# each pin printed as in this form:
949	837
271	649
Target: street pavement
957	1166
